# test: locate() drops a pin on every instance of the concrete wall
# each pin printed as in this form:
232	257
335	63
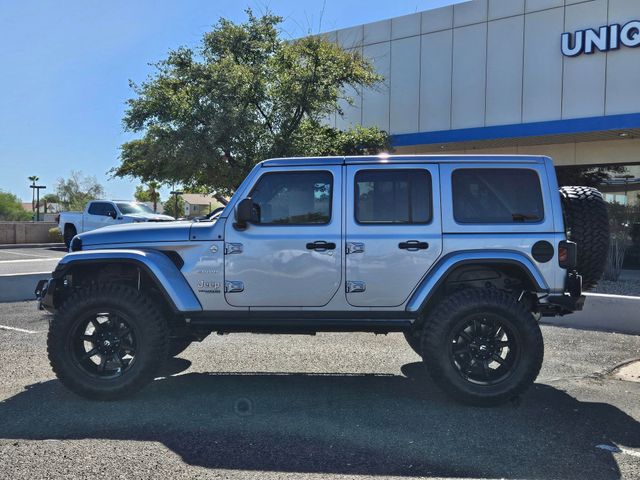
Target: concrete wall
491	62
25	232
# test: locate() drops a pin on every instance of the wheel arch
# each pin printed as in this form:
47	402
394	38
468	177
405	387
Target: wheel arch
451	266
157	267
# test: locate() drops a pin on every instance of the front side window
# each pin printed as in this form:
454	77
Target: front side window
496	195
293	198
393	196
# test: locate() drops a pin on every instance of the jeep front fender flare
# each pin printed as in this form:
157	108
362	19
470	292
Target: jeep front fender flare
438	274
158	266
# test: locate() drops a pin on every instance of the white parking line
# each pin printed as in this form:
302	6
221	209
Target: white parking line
44	259
25	254
24	273
15	329
608	295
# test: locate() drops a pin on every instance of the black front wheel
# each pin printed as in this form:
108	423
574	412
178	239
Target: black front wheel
106	341
482	346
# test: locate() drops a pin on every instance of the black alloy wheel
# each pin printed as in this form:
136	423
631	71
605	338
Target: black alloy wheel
484	350
104	344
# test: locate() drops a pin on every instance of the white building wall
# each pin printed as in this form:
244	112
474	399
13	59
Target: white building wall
491	62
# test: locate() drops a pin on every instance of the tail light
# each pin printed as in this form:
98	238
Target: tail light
567	254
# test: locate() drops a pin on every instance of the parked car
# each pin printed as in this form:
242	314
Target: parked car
213	215
103	213
463	254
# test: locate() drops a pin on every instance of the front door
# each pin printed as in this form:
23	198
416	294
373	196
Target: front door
290	255
394	231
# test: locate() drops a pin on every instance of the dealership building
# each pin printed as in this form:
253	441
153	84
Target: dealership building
552	77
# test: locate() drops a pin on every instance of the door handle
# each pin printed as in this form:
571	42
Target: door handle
413	245
321	245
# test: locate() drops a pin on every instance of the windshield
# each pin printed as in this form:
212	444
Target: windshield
130	207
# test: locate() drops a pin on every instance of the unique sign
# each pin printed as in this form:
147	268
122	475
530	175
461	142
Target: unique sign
603	39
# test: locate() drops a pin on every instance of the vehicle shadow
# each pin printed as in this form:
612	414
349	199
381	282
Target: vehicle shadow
336	423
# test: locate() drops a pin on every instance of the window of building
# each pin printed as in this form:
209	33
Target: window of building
393	196
496	195
293	198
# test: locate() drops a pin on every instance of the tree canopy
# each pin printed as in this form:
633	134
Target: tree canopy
75	191
208	115
11	208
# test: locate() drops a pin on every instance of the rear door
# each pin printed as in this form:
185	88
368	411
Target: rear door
393	231
290	255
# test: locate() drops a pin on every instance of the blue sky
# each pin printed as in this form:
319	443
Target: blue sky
66	67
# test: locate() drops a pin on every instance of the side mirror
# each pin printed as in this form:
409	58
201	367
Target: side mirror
243	213
112	214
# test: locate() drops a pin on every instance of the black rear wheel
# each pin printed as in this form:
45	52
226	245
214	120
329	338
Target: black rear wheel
68	234
482	346
107	341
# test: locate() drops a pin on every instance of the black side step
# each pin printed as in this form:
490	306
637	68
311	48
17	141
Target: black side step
299	325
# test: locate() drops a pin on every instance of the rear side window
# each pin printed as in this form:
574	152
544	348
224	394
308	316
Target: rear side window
393	196
496	195
293	198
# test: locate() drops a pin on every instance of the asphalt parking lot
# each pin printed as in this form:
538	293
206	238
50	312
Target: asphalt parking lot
353	405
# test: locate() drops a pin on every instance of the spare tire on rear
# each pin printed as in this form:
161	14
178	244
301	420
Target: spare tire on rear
587	223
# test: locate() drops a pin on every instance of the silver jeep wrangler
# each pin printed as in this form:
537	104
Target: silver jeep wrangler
463	254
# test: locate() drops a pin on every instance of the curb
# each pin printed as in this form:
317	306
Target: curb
31	245
20	287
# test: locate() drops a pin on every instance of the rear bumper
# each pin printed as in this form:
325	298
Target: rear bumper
572	300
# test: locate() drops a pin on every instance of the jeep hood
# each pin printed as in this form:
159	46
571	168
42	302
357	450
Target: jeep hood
146	232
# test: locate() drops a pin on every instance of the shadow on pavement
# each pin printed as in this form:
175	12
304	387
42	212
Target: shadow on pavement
336	423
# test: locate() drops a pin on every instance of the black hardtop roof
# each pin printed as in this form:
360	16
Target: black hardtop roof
381	159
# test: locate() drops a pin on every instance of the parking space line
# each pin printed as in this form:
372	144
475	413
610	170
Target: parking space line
25	254
27	260
609	295
15	329
24	273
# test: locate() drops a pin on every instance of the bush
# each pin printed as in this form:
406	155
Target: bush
55	236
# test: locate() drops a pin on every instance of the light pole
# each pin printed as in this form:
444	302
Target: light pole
37	188
175	193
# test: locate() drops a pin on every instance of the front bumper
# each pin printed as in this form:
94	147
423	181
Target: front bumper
44	294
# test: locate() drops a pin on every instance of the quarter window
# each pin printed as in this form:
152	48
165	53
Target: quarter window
393	196
496	195
293	198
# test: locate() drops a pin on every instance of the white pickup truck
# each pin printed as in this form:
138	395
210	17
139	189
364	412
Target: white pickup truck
103	213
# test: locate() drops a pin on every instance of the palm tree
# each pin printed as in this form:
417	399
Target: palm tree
155	195
33	179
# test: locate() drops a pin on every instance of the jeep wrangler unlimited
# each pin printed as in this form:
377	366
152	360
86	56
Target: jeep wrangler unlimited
463	254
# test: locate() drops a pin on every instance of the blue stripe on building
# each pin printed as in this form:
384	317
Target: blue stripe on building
520	130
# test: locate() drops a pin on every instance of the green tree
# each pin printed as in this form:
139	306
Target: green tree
75	191
11	208
209	114
149	194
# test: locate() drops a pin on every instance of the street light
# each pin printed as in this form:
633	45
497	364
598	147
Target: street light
175	193
37	189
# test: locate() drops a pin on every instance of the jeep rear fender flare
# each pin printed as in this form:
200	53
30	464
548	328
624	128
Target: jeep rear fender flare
438	274
162	271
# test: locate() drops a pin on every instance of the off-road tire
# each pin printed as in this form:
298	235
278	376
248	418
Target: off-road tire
587	224
68	234
413	338
442	322
177	345
151	329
